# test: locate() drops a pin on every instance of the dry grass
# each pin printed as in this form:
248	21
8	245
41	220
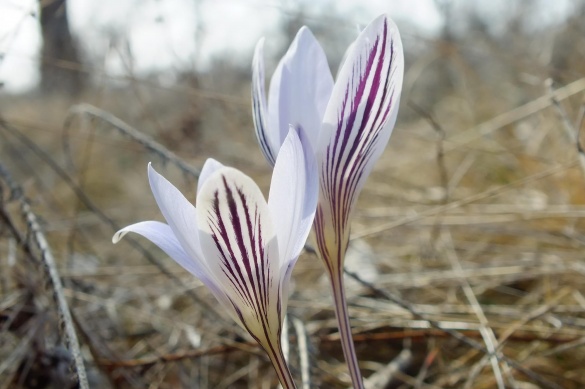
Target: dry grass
468	239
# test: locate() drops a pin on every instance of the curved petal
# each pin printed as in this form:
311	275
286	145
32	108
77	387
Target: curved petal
239	242
179	213
292	201
358	123
209	167
293	196
162	235
300	89
267	136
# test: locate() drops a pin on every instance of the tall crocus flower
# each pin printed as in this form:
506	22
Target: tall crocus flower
348	124
240	246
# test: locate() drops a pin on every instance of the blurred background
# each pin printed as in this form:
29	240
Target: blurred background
468	238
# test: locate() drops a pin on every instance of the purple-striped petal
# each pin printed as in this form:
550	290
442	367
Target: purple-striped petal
357	125
267	136
300	89
209	167
240	244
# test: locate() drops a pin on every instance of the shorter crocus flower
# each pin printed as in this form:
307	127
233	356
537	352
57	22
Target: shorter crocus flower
240	246
348	124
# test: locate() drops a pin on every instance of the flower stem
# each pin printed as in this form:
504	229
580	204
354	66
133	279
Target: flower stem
278	361
345	328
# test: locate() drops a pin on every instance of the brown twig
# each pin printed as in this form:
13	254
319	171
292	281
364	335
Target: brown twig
572	133
303	349
514	115
89	204
455	334
147	142
50	267
458	203
175	357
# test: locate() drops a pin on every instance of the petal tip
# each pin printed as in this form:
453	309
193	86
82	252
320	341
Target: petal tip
259	49
304	30
118	236
150	170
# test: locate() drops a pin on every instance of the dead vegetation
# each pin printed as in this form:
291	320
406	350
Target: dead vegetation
466	262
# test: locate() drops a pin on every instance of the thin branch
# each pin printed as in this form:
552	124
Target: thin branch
571	131
382	377
147	142
579	127
455	334
51	268
89	204
441	165
443	176
251	347
485	330
458	203
514	115
303	349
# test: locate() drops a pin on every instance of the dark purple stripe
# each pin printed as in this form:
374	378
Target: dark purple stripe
335	155
262	317
247	257
356	165
260	126
228	259
319	223
257	255
250	274
346	158
366	152
344	130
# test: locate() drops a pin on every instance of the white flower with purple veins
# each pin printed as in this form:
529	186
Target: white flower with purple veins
348	124
238	244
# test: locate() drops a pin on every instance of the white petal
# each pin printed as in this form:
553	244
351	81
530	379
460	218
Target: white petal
161	235
292	201
361	114
300	88
179	213
180	238
239	241
293	196
267	135
209	167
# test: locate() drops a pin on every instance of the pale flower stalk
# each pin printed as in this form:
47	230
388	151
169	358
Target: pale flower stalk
348	124
242	247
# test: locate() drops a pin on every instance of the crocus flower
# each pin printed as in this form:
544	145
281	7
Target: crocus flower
348	124
240	246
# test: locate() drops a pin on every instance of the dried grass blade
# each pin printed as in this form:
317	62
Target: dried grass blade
51	268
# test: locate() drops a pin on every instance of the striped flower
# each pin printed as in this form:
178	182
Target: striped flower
348	124
237	243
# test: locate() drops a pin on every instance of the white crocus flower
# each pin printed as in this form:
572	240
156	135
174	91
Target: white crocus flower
348	124
238	244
